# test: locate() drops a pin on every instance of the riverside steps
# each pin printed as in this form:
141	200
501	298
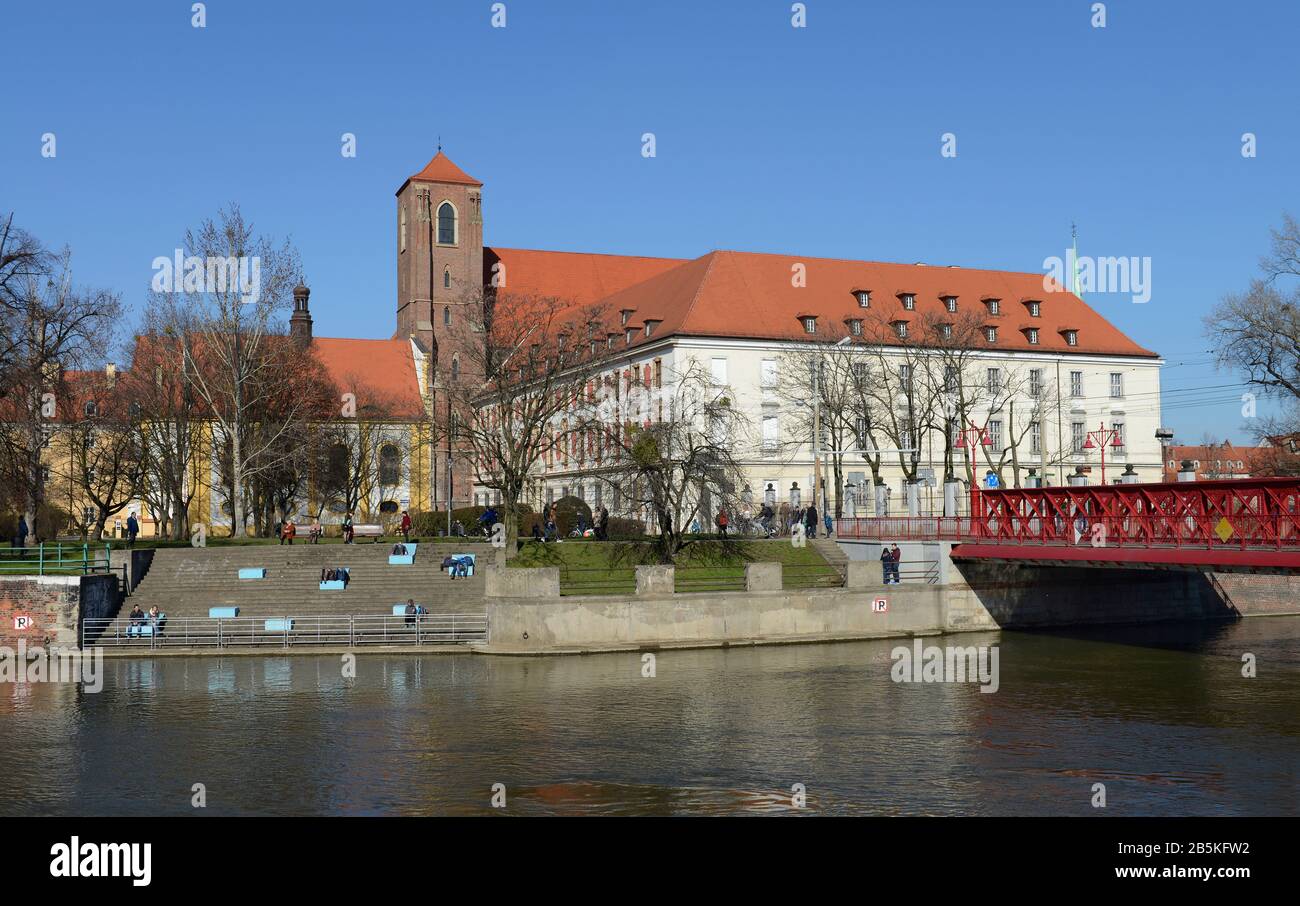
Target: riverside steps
185	582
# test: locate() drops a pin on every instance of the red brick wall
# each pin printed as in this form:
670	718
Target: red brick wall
52	604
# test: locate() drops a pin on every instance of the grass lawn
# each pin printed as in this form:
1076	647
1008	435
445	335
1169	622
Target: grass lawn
585	567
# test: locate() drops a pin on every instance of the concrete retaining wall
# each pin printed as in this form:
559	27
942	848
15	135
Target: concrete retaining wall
53	607
502	582
591	623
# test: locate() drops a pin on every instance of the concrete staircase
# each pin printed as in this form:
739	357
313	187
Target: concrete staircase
185	582
833	554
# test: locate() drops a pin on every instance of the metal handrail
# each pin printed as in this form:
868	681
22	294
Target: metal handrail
50	559
314	629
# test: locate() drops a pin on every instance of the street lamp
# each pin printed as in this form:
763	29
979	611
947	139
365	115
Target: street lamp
978	437
1104	437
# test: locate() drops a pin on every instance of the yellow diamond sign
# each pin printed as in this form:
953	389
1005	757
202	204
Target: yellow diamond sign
1223	529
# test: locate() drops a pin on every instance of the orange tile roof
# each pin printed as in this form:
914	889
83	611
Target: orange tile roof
441	169
578	277
380	372
749	295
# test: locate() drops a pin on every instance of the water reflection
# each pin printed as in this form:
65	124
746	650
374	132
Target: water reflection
1161	715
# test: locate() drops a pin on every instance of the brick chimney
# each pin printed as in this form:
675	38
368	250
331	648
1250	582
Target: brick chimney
300	320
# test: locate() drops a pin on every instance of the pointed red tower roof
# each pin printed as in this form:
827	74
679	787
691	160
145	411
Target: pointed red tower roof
441	169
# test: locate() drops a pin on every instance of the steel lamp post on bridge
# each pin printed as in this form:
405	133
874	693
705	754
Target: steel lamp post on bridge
1104	436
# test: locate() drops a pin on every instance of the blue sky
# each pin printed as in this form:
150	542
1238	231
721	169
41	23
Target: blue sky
819	141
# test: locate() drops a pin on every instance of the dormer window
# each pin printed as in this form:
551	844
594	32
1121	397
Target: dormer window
1035	309
1071	337
900	328
855	327
625	315
908	300
950	302
994	306
628	335
1031	334
991	334
650	327
863	297
809	323
945	331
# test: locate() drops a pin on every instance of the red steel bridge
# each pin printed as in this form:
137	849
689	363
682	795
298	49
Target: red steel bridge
1248	524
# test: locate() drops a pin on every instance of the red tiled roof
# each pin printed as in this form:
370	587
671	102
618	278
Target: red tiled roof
751	296
383	370
441	169
577	277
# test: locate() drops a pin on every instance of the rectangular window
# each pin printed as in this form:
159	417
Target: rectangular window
995	435
995	380
719	371
810	325
1071	338
1076	437
1035	382
860	372
1118	427
860	430
767	374
945	331
771	432
901	326
905	377
1035	309
855	327
991	334
1116	385
1032	334
995	307
1076	383
950	302
1035	438
864	298
909	301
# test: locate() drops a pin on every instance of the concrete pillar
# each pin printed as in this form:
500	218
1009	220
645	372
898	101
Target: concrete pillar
882	499
1078	479
1187	472
913	492
1129	476
655	580
951	492
1033	479
850	501
763	577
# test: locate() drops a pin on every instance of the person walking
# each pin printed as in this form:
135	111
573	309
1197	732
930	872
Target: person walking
20	540
406	526
722	524
287	531
132	529
347	528
602	531
828	522
810	521
895	558
411	612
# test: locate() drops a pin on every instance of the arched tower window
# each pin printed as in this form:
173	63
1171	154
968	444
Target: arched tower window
390	465
455	368
446	314
446	224
402	231
446	278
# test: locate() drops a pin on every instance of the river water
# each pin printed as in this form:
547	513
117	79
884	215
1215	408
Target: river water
1160	715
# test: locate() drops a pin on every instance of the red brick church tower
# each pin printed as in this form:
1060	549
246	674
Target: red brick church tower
439	275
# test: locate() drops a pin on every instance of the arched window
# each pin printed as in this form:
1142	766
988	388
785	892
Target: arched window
402	239
446	224
446	278
446	314
455	369
390	464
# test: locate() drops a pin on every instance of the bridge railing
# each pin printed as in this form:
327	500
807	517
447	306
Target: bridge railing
1236	531
903	528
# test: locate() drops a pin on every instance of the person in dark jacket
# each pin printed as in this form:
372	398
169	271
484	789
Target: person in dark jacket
132	529
20	540
810	521
886	565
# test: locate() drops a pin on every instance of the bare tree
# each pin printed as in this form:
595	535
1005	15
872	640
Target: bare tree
1257	332
51	327
232	361
681	468
522	377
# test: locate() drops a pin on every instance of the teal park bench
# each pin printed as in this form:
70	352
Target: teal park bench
252	572
336	584
222	613
403	559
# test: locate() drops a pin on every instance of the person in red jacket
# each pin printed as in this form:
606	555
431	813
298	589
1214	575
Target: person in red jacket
406	526
722	523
